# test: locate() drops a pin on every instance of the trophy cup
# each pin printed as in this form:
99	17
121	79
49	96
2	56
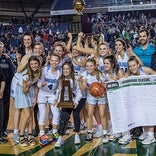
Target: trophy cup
66	95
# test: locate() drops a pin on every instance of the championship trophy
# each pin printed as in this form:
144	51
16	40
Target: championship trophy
79	6
66	95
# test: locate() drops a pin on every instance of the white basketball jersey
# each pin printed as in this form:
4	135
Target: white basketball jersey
50	79
123	62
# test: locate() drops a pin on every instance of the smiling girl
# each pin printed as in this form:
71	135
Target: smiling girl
68	75
26	97
92	74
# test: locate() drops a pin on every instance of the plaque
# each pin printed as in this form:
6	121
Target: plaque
75	27
66	95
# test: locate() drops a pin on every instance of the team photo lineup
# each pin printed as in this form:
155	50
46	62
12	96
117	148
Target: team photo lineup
62	78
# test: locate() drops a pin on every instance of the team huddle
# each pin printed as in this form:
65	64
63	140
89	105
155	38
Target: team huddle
38	82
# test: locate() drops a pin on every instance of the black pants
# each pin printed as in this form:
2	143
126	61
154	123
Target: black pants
1	116
65	116
36	119
6	106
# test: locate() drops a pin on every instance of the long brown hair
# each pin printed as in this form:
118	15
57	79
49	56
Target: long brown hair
62	77
112	59
30	72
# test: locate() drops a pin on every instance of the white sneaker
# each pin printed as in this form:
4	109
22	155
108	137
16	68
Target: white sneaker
77	139
105	139
16	137
59	142
125	139
149	140
144	135
98	134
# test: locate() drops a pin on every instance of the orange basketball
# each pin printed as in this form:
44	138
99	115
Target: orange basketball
96	89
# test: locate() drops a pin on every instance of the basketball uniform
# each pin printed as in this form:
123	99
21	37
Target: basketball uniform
90	79
123	62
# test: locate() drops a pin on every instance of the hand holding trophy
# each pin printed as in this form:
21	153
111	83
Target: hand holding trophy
66	100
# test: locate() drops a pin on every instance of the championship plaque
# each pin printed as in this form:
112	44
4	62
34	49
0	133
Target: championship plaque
66	95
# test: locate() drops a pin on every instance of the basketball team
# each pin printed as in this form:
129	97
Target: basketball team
36	82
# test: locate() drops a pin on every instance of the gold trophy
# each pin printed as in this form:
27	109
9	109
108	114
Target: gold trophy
66	100
79	6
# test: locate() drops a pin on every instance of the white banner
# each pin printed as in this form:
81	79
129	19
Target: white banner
132	102
132	7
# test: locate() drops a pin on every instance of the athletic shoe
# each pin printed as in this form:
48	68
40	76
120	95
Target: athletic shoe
125	139
43	140
4	135
105	139
98	134
55	136
89	137
32	141
149	140
77	139
16	137
23	142
59	142
3	140
144	135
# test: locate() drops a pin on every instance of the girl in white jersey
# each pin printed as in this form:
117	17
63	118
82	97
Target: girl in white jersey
93	52
112	73
68	75
123	54
134	69
104	51
91	75
47	89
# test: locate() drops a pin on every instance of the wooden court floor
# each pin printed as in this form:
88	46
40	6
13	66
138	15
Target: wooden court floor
94	148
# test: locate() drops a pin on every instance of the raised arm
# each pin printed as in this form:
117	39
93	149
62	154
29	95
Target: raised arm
69	44
23	63
82	49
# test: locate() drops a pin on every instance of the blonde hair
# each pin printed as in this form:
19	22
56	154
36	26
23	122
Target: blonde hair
98	73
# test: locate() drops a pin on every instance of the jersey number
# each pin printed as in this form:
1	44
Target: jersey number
50	87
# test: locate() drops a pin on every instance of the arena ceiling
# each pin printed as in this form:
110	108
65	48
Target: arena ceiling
25	8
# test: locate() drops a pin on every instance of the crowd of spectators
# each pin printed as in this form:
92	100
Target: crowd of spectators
125	25
112	25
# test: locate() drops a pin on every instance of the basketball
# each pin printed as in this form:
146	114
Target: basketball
96	89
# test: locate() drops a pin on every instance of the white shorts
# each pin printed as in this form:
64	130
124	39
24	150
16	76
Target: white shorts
44	97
